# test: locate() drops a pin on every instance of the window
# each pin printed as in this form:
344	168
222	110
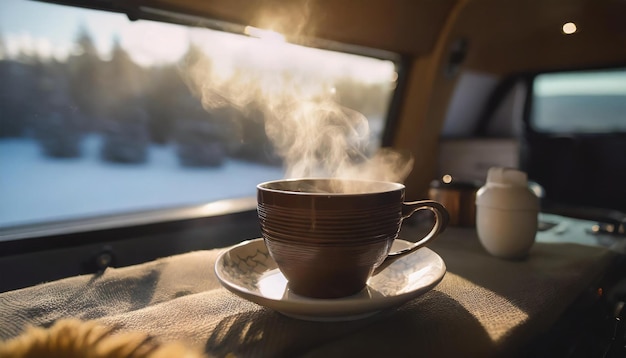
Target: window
103	115
576	139
580	102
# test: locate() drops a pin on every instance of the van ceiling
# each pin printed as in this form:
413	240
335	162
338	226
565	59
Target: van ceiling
504	36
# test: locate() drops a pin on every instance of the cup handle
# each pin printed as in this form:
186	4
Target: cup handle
408	208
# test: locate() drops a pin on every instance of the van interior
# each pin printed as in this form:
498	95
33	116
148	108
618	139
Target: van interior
133	131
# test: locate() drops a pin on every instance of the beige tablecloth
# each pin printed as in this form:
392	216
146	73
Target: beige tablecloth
484	306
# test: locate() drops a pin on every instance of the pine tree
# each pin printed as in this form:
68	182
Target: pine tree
86	77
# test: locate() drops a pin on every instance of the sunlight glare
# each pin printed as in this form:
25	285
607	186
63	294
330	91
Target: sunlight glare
264	34
139	37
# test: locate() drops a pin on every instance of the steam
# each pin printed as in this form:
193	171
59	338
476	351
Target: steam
310	131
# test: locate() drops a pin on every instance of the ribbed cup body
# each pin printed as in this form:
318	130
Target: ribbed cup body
325	236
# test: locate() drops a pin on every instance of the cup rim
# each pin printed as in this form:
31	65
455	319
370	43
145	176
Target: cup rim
391	187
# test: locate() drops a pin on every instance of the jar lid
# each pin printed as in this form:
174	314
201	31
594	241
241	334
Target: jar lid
507	176
507	189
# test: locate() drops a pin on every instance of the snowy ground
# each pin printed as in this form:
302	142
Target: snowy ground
35	189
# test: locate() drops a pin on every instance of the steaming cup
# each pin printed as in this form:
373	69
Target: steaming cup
328	236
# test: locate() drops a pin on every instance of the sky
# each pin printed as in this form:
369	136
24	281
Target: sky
612	82
50	29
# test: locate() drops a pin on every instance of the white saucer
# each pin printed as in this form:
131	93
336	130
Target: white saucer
248	271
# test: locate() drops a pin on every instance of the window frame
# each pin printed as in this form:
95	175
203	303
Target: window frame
19	240
569	207
529	126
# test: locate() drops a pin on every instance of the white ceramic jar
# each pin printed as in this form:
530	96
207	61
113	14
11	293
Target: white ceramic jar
506	214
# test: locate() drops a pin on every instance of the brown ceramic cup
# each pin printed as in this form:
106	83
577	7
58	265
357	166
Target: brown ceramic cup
328	236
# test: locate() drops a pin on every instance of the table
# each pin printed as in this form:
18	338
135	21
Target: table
484	306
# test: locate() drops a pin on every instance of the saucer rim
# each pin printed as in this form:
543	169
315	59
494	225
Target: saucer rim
339	309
